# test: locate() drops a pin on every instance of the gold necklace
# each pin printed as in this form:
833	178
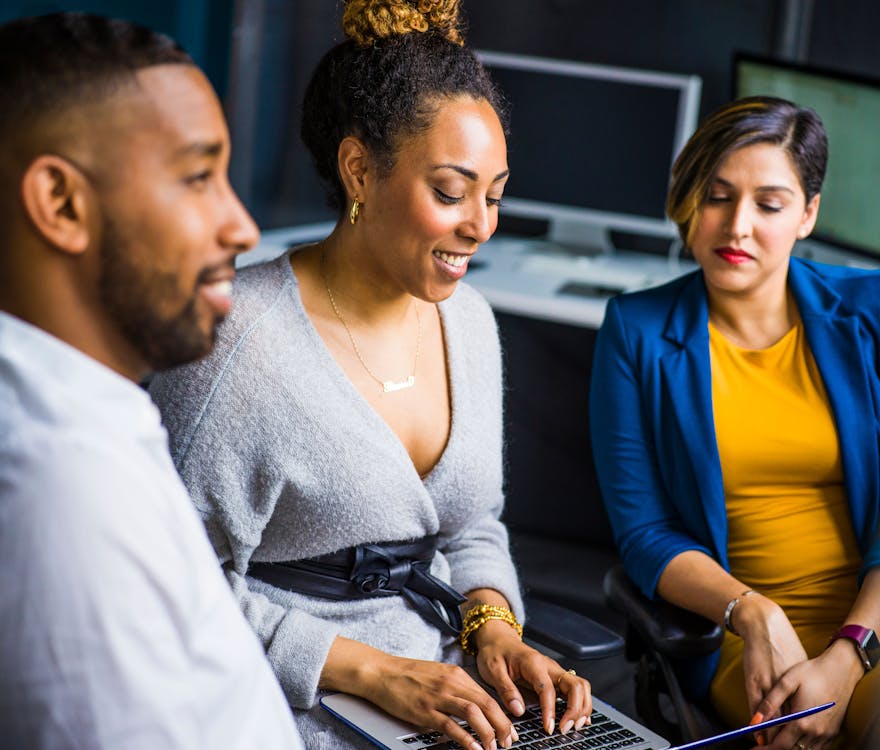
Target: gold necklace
388	386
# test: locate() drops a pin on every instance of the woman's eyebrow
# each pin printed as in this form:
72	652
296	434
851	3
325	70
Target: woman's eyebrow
762	189
469	173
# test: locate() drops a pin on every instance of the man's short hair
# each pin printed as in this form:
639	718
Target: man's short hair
52	62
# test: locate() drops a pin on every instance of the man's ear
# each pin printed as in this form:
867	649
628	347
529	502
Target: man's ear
56	197
353	163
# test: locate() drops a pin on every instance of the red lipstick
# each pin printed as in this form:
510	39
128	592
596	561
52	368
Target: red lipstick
732	255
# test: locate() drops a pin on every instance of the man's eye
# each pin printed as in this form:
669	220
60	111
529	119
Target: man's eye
199	178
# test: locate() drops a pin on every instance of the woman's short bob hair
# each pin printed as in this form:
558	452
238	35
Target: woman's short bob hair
758	119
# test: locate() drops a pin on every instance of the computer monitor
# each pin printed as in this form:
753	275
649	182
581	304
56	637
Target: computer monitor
591	146
849	106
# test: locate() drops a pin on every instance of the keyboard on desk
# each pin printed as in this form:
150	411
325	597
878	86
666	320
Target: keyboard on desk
602	732
585	276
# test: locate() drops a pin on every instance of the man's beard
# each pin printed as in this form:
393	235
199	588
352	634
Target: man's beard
133	298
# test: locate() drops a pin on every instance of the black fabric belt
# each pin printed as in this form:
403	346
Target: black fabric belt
371	570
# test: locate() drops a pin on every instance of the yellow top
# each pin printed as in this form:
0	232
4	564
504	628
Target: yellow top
789	530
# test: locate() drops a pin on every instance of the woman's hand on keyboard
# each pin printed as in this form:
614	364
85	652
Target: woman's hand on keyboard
505	661
429	694
425	693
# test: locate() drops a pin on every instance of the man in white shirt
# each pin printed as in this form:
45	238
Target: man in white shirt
117	628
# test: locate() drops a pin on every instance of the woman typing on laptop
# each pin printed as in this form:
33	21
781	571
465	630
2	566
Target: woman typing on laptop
343	442
734	422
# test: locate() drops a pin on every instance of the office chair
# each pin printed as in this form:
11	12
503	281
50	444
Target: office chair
657	635
570	634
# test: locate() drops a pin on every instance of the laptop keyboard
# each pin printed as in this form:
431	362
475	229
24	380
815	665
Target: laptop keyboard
602	732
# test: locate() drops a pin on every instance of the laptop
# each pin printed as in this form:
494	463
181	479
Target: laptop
609	729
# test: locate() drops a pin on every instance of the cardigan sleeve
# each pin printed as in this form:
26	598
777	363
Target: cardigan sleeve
470	486
646	523
479	557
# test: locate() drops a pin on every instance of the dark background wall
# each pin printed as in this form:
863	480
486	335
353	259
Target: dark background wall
203	27
260	53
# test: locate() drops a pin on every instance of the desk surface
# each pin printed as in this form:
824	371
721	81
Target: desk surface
537	279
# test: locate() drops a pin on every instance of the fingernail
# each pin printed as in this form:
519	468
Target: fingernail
507	741
513	733
760	738
566	726
551	725
756	719
580	722
517	708
476	746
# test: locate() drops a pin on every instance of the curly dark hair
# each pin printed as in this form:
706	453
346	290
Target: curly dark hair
385	89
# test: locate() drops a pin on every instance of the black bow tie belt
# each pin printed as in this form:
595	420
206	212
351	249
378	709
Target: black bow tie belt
373	570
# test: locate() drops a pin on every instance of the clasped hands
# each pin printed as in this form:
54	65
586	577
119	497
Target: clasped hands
780	678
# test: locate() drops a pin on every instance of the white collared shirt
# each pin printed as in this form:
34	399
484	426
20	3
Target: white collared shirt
117	627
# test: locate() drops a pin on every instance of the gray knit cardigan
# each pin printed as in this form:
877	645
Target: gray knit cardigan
286	460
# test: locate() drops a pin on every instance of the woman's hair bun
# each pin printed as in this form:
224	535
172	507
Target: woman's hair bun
367	21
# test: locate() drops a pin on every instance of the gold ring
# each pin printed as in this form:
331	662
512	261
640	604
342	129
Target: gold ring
567	671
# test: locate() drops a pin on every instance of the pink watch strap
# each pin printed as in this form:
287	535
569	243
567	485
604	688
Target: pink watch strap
856	633
860	636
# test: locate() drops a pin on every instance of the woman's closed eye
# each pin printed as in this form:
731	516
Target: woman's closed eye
451	200
446	198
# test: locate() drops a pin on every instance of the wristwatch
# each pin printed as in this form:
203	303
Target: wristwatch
865	641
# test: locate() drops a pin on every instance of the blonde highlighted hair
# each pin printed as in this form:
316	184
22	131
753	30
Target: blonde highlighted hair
759	119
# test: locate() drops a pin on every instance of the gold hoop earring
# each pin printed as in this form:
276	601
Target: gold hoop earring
355	211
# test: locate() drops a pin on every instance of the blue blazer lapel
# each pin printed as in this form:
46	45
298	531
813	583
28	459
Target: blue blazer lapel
834	340
687	388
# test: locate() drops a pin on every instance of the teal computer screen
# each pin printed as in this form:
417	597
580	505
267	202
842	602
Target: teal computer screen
849	214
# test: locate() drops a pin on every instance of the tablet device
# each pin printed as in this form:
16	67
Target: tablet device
752	728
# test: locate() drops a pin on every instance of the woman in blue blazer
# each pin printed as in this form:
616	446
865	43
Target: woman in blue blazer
688	420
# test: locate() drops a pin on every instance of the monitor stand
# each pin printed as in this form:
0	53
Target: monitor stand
580	238
591	238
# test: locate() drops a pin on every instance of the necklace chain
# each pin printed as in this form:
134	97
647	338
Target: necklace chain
388	386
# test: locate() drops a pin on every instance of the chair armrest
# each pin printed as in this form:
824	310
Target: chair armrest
573	635
668	629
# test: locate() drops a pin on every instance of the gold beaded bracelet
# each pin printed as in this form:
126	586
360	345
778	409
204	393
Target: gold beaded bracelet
479	615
